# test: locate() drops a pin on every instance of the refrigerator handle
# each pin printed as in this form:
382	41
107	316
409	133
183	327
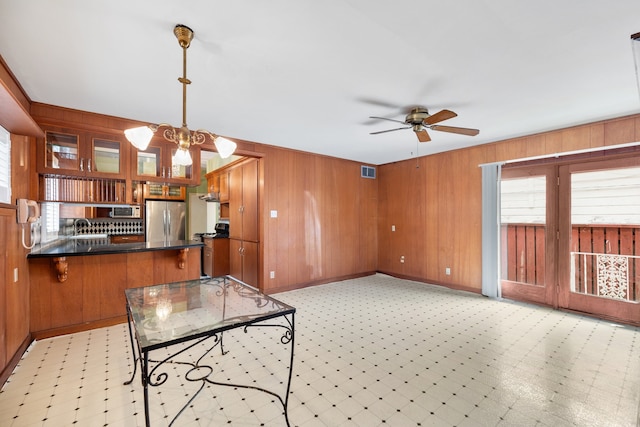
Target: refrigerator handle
168	224
164	223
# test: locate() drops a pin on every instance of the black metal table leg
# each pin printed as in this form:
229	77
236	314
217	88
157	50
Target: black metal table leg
133	348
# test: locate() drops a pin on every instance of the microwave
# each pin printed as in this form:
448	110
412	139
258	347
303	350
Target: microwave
125	212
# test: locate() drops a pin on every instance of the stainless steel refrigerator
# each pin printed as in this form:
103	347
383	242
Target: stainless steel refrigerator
165	221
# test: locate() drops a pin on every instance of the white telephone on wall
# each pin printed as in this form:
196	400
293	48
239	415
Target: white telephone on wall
28	211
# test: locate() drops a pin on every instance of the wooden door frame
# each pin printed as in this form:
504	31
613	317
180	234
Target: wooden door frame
546	294
598	306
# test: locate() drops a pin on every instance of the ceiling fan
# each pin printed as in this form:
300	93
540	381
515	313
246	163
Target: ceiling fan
420	120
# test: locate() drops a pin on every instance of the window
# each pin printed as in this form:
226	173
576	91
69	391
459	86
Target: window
5	166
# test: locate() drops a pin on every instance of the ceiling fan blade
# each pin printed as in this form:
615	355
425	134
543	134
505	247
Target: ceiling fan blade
384	118
452	129
379	103
439	116
423	136
388	130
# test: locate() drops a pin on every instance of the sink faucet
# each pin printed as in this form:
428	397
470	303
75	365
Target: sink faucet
75	224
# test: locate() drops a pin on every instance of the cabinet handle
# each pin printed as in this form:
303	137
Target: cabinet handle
81	165
89	165
163	169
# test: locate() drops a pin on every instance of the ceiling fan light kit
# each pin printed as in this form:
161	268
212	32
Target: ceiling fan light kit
420	120
140	137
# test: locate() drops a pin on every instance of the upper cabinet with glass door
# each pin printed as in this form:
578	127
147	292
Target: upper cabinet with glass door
155	164
75	153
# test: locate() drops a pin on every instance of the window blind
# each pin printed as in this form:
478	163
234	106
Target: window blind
5	166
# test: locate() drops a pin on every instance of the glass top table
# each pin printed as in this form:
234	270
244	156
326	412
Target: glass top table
195	314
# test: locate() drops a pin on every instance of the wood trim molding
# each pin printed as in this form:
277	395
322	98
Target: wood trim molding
15	106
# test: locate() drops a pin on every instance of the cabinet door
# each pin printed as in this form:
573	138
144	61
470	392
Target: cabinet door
148	163
186	174
224	186
235	258
108	158
60	153
250	263
164	192
243	261
156	164
213	183
243	201
235	203
250	201
207	261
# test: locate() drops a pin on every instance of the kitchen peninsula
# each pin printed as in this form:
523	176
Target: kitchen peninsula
77	286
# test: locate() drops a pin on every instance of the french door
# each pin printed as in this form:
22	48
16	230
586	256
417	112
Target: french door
599	270
570	236
528	199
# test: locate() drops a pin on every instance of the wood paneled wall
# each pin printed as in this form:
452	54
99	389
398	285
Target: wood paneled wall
14	296
326	225
436	206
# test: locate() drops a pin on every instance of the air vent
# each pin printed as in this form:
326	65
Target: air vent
367	172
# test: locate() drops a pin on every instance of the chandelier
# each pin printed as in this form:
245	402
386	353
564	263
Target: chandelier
183	137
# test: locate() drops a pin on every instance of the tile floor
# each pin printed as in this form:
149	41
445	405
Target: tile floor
369	352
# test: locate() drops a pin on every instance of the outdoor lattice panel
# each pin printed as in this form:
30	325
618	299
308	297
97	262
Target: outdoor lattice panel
613	276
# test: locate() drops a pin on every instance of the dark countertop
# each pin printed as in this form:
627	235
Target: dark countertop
80	248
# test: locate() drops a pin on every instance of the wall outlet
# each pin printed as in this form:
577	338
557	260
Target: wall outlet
274	214
447	271
393	228
15	275
402	259
272	274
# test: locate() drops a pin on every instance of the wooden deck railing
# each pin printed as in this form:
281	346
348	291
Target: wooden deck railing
524	248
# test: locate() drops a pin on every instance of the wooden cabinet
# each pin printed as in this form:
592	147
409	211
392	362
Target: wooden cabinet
213	182
78	153
243	201
243	261
218	184
156	164
216	257
224	187
243	221
164	192
93	291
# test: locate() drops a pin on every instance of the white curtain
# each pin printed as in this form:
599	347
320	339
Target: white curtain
490	230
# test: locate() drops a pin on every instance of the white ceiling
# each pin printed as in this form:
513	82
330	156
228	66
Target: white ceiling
307	74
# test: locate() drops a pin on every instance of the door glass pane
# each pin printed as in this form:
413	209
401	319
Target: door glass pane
174	191
605	233
149	162
61	151
155	190
106	156
523	227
